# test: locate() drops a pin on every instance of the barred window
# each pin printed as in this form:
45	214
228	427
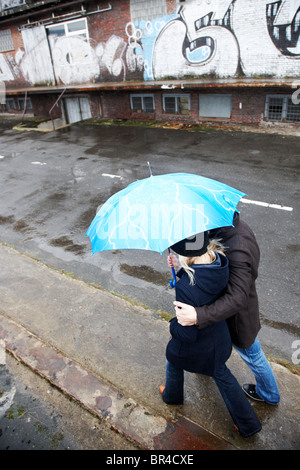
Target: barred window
293	111
6	42
275	109
282	108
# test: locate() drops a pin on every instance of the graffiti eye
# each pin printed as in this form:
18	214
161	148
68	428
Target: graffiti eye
199	50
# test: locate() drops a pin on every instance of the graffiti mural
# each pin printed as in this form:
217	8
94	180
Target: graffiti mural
218	38
273	48
215	37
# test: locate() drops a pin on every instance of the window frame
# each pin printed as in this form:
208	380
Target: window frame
177	96
21	103
142	96
10	45
65	24
10	104
285	111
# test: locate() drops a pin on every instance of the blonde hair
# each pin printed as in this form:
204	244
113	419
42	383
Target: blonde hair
214	245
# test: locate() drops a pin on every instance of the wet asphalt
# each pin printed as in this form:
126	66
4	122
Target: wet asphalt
53	183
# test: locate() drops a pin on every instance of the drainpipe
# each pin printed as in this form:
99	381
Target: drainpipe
25	104
54	107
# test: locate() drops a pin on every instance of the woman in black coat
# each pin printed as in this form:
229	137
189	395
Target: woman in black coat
203	278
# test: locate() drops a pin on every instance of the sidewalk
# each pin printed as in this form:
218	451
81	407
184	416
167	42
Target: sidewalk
109	355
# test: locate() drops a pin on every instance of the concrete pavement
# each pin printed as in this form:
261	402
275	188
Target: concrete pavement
109	355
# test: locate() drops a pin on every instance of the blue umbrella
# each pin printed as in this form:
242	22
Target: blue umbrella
156	212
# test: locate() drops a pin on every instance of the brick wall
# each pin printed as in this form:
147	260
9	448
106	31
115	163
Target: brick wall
247	106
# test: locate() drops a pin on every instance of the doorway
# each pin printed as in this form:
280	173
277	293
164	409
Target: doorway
77	109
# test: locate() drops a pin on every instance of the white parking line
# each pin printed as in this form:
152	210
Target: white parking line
111	176
266	204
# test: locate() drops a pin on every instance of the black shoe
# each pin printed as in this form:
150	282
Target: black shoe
250	391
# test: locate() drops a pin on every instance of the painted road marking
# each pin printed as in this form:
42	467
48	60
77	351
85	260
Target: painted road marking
247	201
111	176
266	204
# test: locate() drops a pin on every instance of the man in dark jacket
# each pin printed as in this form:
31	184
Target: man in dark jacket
239	306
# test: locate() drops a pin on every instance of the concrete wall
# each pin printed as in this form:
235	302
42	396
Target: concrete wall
193	39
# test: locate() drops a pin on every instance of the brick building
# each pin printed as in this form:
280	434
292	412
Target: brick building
173	60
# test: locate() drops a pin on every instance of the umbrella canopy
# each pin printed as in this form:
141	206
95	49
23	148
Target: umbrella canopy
156	212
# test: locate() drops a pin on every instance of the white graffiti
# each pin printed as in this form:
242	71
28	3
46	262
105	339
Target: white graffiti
169	60
5	70
217	38
214	37
267	59
74	61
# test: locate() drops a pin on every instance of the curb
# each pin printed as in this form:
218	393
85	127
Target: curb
121	413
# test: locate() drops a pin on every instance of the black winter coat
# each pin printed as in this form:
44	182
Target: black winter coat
239	304
191	349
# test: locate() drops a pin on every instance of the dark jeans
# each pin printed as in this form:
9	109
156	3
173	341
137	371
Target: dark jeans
237	404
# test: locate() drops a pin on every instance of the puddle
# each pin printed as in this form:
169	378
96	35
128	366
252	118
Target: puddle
68	245
21	226
7	219
146	274
294	247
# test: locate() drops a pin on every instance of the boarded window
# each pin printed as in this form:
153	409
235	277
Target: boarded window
6	42
215	106
38	59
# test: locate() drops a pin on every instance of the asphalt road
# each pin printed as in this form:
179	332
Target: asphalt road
53	183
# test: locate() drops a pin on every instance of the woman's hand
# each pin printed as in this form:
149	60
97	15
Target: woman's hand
186	314
173	262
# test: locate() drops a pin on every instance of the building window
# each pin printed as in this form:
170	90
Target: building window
215	106
7	4
76	28
282	108
6	42
176	104
10	104
147	9
142	103
21	104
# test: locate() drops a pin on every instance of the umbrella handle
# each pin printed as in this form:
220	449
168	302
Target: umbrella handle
173	281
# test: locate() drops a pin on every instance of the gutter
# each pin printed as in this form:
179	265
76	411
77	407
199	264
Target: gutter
157	85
